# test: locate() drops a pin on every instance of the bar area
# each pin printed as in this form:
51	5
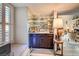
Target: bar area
41	32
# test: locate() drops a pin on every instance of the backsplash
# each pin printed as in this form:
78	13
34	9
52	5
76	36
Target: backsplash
42	24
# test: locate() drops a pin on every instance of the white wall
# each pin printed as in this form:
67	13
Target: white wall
21	29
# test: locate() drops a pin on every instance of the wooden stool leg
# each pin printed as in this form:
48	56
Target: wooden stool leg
62	50
58	47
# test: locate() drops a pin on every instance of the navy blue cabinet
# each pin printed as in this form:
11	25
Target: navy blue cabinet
34	41
40	40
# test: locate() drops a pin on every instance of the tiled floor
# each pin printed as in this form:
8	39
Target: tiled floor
18	49
42	52
70	49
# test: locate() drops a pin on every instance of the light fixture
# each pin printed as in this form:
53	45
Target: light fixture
58	26
58	29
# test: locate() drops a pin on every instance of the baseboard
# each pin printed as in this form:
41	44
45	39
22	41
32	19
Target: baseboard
19	43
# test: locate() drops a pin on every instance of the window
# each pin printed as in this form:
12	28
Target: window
4	23
7	23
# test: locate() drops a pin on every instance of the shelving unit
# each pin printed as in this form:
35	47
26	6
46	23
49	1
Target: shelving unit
77	36
40	25
76	29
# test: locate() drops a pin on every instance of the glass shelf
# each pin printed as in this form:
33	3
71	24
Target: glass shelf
40	24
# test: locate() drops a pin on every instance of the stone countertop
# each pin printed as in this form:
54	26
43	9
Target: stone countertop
40	33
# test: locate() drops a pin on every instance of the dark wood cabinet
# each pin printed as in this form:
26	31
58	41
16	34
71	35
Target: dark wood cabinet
41	40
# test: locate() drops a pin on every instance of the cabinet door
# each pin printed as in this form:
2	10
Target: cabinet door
30	40
41	41
34	40
50	38
46	41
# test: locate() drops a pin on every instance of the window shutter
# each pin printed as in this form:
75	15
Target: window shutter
7	14
7	21
0	23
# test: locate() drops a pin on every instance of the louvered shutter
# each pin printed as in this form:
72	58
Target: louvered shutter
7	23
0	23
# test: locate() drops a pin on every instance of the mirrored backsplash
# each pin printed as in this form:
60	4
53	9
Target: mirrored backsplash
41	24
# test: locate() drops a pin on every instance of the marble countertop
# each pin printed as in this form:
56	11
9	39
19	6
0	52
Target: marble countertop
40	33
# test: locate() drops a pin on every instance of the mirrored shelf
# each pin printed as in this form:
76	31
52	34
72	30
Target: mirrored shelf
41	24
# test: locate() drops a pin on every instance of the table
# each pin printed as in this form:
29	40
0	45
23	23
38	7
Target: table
58	44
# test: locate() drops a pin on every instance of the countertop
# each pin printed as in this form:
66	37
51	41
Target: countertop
40	33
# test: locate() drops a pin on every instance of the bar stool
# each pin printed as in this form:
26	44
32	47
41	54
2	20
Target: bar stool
58	47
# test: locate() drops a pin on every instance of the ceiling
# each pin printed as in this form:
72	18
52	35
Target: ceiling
46	8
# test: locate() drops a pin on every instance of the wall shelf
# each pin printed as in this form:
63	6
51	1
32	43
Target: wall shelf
41	24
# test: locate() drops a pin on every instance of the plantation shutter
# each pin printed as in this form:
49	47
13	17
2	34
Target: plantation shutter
0	23
7	23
